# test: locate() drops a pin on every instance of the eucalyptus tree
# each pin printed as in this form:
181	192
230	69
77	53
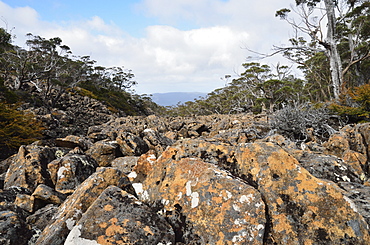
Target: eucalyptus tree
318	20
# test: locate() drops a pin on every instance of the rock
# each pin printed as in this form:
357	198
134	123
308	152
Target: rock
73	114
300	206
357	161
218	179
72	141
360	196
204	204
352	144
131	145
155	140
330	168
104	152
26	202
337	144
70	171
10	194
29	167
76	204
125	164
143	166
4	165
13	229
42	217
48	195
117	217
39	220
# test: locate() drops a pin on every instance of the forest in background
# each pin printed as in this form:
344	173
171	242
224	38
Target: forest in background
330	46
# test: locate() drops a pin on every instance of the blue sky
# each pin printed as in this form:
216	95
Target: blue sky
170	45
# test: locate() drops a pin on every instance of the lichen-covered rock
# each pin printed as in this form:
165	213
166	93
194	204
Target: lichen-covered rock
47	195
13	229
117	217
131	145
337	144
104	152
330	168
29	167
70	171
155	140
125	164
360	195
205	204
42	217
301	208
77	203
352	144
218	179
26	202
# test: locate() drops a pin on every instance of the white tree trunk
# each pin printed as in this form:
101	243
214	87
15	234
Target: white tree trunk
334	58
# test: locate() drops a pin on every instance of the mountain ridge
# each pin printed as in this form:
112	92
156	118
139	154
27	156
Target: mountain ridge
173	98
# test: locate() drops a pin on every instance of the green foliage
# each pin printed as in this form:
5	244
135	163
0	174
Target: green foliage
354	36
7	95
17	128
5	40
354	104
257	89
49	68
119	101
318	79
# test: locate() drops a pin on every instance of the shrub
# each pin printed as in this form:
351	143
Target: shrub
17	128
354	104
304	122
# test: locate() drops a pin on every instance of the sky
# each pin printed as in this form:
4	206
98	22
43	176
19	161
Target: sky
170	45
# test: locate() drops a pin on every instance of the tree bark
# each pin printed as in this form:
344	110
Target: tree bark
334	57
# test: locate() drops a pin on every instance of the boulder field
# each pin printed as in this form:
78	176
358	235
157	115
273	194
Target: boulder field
219	179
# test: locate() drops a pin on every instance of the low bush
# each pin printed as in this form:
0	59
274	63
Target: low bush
17	128
304	122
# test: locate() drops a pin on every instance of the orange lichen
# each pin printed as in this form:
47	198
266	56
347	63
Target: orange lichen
108	207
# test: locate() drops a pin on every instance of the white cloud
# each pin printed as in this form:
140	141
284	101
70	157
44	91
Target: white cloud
166	58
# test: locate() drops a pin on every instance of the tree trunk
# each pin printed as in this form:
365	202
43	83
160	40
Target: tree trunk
334	58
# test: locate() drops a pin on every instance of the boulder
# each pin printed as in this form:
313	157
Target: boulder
155	140
301	207
330	167
4	165
13	229
125	164
131	145
117	217
76	204
360	196
70	171
42	217
204	204
47	195
39	220
104	152
29	167
72	141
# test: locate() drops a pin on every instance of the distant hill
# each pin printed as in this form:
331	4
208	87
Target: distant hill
172	98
